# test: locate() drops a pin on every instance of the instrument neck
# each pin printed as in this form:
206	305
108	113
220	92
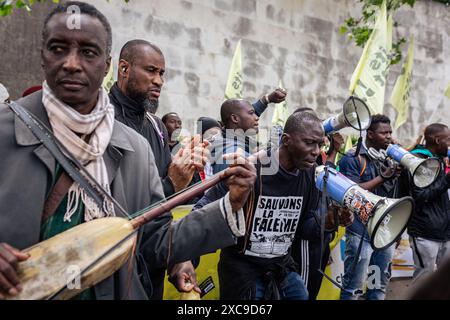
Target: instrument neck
177	200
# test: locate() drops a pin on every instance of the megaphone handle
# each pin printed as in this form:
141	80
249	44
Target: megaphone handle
357	117
324	212
384	167
336	219
358	146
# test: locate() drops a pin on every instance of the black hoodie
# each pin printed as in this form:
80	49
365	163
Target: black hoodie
431	217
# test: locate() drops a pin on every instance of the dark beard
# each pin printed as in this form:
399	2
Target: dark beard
133	93
138	97
141	98
150	105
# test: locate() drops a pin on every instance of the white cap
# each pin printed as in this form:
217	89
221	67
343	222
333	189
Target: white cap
3	93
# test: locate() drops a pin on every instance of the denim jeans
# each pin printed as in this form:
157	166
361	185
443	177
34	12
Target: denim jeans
292	288
374	266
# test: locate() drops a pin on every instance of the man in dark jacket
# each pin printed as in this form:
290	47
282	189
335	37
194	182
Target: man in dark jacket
240	126
368	173
429	227
308	250
260	266
75	107
135	98
240	123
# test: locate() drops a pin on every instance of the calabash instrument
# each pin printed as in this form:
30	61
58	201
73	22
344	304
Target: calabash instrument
77	259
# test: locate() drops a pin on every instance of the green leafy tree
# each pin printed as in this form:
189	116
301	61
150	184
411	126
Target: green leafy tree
360	29
7	6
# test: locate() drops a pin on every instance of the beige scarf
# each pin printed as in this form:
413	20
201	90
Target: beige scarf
66	123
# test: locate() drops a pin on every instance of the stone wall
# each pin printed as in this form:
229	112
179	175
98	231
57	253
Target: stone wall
20	41
293	40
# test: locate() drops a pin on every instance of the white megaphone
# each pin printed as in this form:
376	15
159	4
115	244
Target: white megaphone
355	114
423	171
384	218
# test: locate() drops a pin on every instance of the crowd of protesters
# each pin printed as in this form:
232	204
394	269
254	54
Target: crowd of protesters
265	215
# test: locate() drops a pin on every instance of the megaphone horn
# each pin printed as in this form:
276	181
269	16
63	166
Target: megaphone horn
355	114
423	171
384	218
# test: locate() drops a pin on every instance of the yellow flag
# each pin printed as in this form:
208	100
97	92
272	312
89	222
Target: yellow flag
108	80
281	111
369	78
389	33
334	269
348	144
401	92
447	91
206	268
235	85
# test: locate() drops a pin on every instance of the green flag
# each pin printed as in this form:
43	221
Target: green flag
281	112
235	85
401	92
369	78
108	80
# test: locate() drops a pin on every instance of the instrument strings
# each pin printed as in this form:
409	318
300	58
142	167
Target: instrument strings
162	201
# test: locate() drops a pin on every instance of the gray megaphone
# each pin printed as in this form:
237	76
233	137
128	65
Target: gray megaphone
385	218
423	171
355	113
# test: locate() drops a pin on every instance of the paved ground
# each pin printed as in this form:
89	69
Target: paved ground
398	289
